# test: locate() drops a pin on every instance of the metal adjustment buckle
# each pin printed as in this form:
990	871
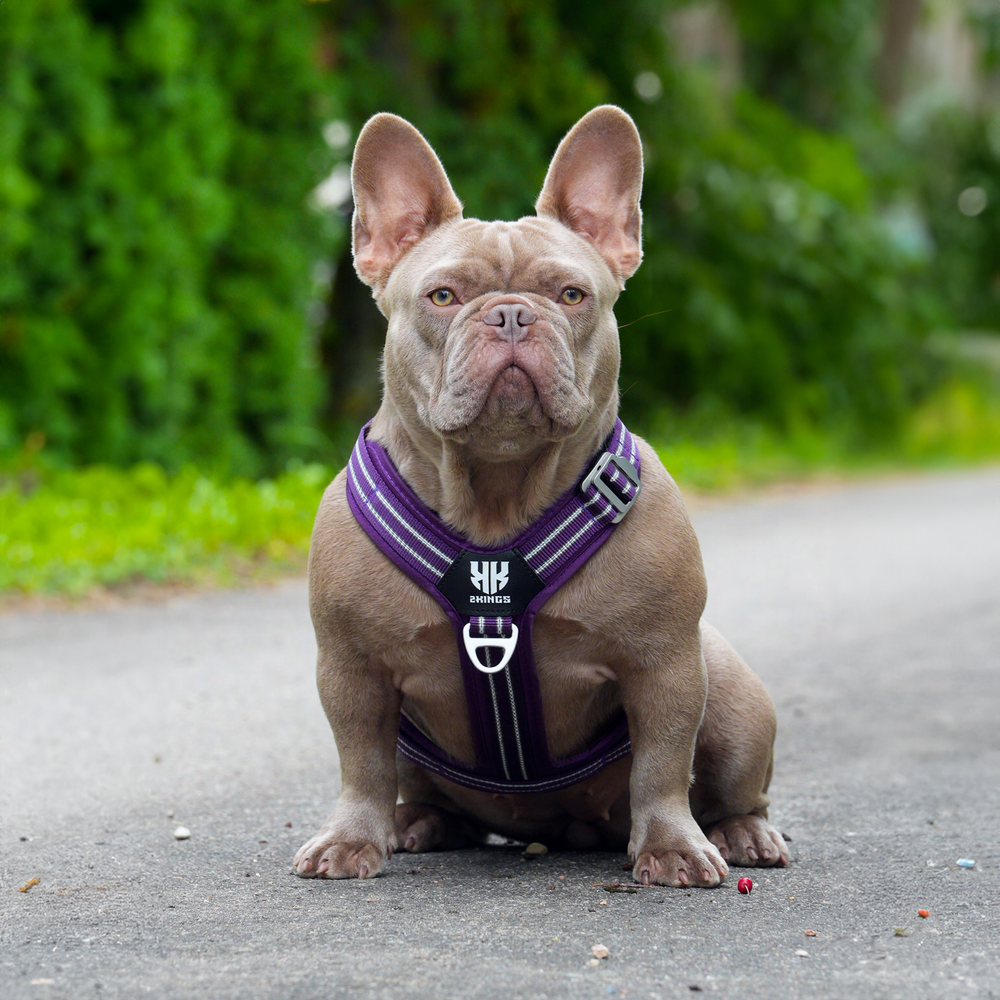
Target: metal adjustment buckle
594	479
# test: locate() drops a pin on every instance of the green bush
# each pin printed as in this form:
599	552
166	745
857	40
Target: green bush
787	301
813	59
159	258
155	160
958	182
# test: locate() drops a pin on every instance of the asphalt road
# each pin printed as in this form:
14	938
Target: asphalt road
872	612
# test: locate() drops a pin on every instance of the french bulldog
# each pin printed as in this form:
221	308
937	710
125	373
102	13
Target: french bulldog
500	383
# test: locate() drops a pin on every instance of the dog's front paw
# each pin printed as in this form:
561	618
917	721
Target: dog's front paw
749	842
679	858
329	854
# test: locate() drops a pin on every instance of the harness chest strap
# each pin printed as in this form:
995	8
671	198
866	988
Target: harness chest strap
491	597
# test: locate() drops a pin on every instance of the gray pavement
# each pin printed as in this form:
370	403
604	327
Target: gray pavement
872	612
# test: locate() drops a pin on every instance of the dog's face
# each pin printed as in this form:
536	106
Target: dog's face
501	335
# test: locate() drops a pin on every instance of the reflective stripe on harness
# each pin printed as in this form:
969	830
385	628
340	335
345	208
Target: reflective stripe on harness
491	597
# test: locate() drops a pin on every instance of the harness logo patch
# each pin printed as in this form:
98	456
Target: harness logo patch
489	578
489	583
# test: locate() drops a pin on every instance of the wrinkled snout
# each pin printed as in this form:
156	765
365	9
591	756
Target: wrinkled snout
508	363
509	368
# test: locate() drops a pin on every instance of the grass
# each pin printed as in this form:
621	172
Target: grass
71	531
76	531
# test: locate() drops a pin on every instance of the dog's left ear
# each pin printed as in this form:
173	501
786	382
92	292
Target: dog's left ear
593	186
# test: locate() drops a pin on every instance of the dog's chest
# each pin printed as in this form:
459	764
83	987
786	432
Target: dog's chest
577	685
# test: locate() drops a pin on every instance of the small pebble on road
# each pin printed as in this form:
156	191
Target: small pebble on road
182	833
600	951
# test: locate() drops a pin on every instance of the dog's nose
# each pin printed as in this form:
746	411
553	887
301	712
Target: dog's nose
513	317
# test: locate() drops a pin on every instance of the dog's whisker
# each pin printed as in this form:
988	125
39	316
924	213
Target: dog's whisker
631	322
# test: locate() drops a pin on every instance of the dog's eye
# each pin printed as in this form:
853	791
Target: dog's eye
442	297
572	296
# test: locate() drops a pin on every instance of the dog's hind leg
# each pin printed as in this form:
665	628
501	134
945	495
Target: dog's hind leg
423	821
734	760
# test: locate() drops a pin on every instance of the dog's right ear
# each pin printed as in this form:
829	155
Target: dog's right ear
401	193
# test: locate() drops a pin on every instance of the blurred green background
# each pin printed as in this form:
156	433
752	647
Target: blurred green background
186	353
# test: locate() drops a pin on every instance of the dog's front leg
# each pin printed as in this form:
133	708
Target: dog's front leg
664	702
363	708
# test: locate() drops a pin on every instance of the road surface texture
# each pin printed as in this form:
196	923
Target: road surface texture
872	612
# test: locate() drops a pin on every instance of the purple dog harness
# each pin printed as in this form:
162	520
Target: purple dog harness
492	597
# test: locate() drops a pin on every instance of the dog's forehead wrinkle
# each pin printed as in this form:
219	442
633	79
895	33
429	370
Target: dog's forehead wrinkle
495	254
547	272
467	272
477	254
527	256
505	251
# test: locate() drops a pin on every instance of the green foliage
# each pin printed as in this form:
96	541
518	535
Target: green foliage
155	159
68	531
959	422
812	59
159	260
787	300
960	152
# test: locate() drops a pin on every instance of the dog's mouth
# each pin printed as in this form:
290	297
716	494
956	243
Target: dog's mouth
513	385
513	397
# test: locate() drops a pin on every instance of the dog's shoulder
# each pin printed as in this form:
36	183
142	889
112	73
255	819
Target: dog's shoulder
354	589
659	532
663	506
650	567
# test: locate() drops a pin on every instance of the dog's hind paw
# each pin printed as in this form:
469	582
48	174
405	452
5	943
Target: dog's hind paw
421	827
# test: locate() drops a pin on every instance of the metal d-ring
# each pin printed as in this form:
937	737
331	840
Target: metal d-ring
472	647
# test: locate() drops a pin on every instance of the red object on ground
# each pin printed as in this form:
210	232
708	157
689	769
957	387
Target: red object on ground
745	886
923	913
